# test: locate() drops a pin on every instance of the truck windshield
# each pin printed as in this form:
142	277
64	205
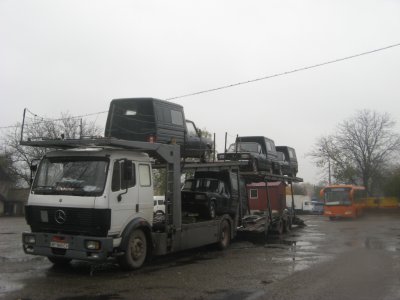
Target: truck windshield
337	196
80	176
245	147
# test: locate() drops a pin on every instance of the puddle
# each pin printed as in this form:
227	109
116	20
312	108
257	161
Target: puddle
9	286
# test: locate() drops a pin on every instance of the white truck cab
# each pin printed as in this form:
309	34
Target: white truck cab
82	201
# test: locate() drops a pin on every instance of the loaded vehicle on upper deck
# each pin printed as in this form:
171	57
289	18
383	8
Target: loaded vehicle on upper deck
156	121
288	160
258	151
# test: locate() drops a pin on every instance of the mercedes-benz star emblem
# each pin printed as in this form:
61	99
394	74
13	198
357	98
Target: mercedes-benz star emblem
60	216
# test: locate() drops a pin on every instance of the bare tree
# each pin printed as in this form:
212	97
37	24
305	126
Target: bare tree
360	151
21	156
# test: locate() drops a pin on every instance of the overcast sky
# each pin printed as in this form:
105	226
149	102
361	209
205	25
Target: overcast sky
76	56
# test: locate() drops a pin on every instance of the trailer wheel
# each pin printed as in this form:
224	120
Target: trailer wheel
135	251
287	225
279	227
225	235
59	261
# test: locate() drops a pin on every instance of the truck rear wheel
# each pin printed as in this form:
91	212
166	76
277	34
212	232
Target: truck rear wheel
135	251
225	235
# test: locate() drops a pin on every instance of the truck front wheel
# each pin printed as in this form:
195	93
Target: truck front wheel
135	251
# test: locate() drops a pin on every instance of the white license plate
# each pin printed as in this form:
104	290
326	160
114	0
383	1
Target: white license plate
59	245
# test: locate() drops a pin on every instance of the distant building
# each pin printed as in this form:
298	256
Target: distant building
12	200
17	198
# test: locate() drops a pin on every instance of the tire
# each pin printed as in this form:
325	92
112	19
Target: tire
287	226
212	210
225	235
59	261
135	251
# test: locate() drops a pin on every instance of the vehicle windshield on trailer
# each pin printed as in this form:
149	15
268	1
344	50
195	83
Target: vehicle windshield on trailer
81	176
202	185
337	196
245	147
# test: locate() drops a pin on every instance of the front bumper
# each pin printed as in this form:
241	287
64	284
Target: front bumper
66	246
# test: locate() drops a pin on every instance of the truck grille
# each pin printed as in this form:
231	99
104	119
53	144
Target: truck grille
82	221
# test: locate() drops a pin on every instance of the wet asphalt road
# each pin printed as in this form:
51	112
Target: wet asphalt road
324	260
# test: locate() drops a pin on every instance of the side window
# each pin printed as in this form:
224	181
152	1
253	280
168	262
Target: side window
253	194
144	175
128	183
116	177
268	144
291	154
191	130
176	117
118	182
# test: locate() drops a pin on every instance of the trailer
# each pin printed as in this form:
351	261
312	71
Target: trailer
92	199
102	205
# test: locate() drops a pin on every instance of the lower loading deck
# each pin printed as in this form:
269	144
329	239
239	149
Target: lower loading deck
193	233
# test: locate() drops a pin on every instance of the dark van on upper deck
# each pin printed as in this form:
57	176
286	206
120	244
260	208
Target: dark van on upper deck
155	121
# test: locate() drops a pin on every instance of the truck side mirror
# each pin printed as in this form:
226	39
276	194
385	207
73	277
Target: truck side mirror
33	167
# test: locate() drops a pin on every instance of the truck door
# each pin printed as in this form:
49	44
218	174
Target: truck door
123	196
145	186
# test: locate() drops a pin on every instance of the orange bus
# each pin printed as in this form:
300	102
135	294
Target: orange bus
343	200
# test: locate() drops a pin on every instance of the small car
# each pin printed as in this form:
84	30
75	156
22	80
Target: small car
206	196
159	205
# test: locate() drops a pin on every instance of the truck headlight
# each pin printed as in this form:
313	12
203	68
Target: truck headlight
92	245
29	239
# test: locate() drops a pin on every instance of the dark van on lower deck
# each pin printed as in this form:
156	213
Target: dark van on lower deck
156	121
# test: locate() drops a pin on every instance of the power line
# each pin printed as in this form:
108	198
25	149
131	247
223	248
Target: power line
285	73
238	83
